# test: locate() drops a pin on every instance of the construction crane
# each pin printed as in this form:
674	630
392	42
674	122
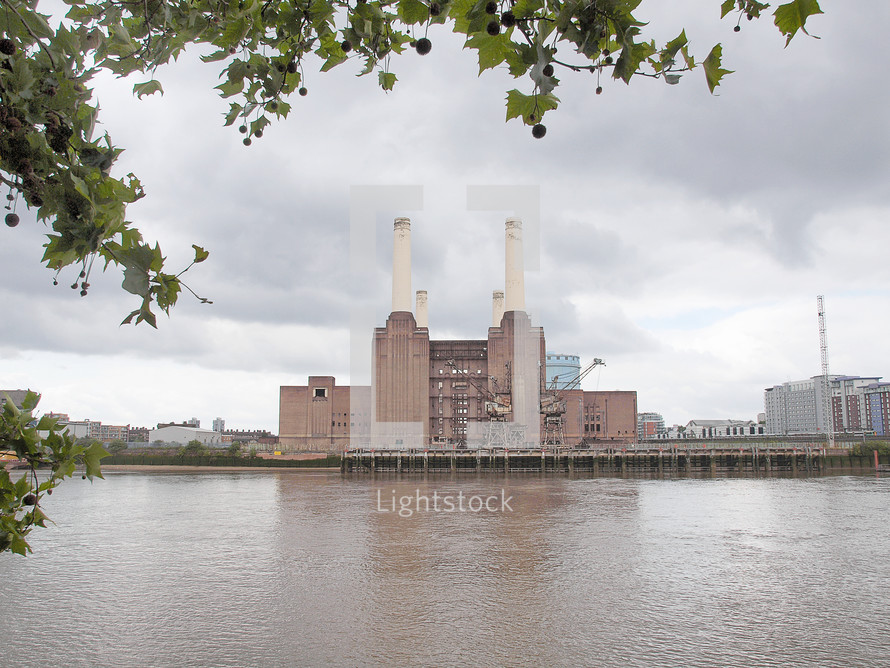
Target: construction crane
497	406
499	432
553	405
827	409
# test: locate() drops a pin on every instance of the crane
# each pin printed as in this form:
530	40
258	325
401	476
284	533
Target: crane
499	431
497	406
553	405
827	409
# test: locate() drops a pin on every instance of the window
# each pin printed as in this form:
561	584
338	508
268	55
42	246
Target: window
320	392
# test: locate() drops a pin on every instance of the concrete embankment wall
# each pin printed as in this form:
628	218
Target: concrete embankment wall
606	462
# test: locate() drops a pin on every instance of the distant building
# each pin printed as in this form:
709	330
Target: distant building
722	429
650	426
260	436
561	371
193	423
429	392
17	396
877	408
797	407
139	434
95	430
183	434
219	425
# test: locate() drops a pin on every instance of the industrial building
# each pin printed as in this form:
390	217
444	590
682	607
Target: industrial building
490	392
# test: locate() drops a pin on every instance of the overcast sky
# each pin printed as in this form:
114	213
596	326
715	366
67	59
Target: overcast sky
684	236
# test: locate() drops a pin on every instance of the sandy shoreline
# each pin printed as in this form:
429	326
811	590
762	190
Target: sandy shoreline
166	468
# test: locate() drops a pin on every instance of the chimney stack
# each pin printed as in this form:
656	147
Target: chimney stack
421	312
514	293
497	307
401	265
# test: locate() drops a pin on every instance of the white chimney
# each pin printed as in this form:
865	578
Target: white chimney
421	309
401	265
497	307
514	284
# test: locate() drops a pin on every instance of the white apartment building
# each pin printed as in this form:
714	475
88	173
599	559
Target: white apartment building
797	407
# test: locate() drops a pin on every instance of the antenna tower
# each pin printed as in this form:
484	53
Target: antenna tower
827	408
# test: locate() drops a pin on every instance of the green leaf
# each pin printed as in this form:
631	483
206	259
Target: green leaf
136	281
671	48
91	458
200	254
148	88
222	54
792	16
413	11
37	517
386	79
530	108
492	50
727	7
631	56
525	7
333	61
19	545
713	72
235	110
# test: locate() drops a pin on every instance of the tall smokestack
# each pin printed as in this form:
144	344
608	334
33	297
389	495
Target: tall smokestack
401	265
514	284
420	311
497	307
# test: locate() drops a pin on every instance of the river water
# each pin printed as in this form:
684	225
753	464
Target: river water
296	568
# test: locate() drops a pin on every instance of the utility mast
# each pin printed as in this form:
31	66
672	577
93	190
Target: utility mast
827	408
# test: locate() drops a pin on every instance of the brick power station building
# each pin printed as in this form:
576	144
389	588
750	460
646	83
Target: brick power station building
431	393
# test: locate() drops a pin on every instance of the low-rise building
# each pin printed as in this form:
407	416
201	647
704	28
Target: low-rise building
183	435
722	429
17	397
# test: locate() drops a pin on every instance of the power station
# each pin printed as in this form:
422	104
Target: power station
479	393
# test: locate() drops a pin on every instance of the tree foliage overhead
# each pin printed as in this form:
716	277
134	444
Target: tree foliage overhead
52	159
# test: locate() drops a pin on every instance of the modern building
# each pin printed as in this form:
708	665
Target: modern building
427	392
219	425
849	402
650	426
798	407
877	408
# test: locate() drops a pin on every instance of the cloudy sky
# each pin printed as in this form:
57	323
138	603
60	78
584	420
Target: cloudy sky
684	237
